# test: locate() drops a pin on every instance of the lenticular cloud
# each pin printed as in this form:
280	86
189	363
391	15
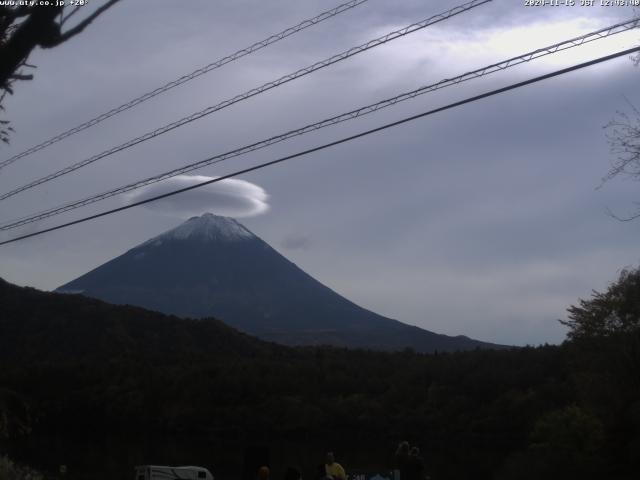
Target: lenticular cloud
230	197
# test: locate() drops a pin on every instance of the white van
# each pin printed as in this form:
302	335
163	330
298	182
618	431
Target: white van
157	472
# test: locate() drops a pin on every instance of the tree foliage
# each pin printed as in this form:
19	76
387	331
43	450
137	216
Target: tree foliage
83	367
564	443
11	471
610	313
604	334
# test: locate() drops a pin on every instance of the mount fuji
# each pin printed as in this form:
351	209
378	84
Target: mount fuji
213	266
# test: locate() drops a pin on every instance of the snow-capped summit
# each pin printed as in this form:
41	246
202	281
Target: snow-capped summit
205	227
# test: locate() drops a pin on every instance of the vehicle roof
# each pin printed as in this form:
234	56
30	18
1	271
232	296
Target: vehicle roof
191	467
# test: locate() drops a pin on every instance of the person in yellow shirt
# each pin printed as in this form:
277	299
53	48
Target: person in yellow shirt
333	469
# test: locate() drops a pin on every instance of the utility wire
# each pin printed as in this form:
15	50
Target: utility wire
602	33
334	143
188	77
255	91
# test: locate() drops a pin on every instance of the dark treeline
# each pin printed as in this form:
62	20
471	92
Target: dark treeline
72	365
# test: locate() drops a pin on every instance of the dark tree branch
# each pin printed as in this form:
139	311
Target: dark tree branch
23	28
19	76
38	27
71	14
84	24
623	136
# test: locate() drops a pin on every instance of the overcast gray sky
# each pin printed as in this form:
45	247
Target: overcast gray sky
484	220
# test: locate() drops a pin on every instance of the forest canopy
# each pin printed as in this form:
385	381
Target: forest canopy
546	412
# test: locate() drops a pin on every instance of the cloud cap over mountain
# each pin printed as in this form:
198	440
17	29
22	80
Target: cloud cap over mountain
230	197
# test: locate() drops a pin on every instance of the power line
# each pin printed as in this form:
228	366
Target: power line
511	62
255	91
188	77
334	143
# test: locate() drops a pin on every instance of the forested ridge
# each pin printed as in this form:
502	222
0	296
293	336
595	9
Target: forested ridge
569	411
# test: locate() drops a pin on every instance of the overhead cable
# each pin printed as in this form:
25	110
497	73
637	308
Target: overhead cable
511	62
330	144
251	93
188	77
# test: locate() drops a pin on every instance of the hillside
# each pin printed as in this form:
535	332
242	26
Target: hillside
41	326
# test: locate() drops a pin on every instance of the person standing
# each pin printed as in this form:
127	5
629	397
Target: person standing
333	468
401	460
415	465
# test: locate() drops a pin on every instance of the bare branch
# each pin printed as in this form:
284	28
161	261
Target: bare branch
622	219
84	24
71	14
19	76
623	136
24	28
